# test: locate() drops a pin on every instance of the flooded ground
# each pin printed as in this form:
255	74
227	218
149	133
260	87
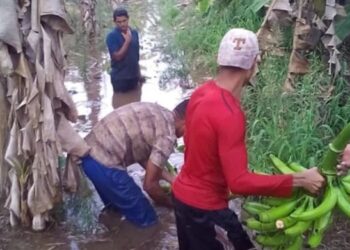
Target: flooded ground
85	224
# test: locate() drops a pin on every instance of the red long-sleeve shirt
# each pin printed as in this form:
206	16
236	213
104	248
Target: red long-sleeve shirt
216	156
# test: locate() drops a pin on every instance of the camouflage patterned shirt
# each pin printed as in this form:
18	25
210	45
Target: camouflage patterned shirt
133	134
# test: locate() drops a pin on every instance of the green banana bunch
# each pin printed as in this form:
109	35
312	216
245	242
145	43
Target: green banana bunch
278	212
319	228
343	201
274	240
259	226
255	208
284	221
297	244
346	185
327	204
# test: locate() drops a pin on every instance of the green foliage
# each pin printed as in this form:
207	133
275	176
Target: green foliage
342	25
196	36
296	126
204	5
258	4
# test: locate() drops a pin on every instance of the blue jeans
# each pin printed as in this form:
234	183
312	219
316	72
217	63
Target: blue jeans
117	189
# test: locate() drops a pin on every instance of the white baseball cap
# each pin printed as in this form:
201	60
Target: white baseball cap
238	48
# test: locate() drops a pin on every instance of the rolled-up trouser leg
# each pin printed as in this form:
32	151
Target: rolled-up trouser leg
119	190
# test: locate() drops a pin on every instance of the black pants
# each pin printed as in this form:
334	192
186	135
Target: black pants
199	229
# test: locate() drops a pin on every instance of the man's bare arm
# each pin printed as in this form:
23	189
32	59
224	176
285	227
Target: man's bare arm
152	187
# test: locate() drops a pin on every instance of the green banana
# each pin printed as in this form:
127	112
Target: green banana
318	230
297	244
278	212
254	208
321	224
272	241
328	203
301	226
297	167
171	169
298	229
181	148
346	186
289	221
285	223
257	205
346	178
343	202
274	201
261	227
315	240
280	165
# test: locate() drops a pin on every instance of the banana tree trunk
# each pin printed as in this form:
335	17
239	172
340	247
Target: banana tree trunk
4	112
31	33
88	18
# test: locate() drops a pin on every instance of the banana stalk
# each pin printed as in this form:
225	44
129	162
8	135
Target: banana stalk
337	146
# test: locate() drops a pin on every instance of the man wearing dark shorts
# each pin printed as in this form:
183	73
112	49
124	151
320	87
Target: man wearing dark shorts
124	49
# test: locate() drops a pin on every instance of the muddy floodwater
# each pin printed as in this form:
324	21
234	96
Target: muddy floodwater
81	223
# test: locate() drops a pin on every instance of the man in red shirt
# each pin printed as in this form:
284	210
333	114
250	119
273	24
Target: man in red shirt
216	156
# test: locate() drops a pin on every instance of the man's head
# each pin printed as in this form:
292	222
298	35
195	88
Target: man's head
239	52
180	114
121	19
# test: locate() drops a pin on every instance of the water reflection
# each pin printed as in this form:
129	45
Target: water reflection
93	98
91	90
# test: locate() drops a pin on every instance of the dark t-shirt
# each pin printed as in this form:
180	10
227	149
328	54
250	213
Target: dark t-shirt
128	67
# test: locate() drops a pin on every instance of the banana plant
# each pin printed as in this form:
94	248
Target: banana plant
204	5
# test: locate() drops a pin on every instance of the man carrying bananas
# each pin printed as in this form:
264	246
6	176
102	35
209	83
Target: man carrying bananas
216	156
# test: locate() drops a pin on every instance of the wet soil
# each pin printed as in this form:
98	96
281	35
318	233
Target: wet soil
81	222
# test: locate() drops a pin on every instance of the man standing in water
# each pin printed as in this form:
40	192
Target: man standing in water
216	156
143	133
124	49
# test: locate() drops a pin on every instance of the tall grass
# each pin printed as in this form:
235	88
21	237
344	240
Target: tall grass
197	36
296	126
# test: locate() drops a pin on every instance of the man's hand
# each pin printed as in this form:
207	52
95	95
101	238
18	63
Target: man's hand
127	36
344	166
310	179
168	176
152	187
120	54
